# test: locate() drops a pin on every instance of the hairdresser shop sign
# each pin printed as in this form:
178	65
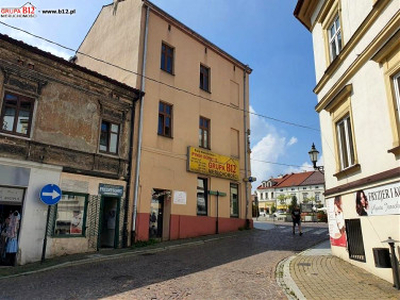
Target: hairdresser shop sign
382	200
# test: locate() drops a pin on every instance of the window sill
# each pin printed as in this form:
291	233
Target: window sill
204	90
110	154
16	135
67	236
395	151
349	171
165	71
205	148
166	136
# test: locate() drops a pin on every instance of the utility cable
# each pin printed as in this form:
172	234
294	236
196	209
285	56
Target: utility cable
160	82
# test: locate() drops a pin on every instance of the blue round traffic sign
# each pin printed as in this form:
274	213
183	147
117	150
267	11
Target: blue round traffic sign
50	194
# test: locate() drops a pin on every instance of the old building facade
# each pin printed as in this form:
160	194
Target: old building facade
64	125
193	126
357	63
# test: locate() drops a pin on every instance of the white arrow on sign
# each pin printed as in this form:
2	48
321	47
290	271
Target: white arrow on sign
53	194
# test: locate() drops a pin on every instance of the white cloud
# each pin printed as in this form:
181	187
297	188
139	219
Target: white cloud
268	146
292	141
38	43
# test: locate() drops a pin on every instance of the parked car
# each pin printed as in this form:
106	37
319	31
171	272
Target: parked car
263	214
279	213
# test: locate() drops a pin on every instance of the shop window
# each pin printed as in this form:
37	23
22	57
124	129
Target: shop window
204	133
234	200
355	242
16	114
70	217
204	78
109	137
165	119
202	191
167	58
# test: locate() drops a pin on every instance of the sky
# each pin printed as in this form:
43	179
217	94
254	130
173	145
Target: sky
263	34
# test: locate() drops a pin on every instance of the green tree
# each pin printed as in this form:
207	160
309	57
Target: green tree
293	204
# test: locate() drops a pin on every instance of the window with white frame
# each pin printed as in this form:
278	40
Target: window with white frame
234	200
317	199
109	137
396	84
335	38
345	141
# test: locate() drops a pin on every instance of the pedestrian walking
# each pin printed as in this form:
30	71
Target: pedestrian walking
296	217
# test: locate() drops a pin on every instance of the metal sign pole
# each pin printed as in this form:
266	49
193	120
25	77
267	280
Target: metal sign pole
45	235
217	210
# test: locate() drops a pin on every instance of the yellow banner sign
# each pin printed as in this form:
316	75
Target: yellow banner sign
209	163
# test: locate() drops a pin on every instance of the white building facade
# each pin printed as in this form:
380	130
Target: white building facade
307	187
357	62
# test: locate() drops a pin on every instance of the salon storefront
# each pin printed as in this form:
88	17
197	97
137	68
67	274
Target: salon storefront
361	220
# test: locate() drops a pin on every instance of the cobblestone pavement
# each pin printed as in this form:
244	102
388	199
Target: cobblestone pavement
316	274
235	267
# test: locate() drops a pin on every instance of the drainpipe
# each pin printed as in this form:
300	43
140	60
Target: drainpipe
140	128
128	183
246	175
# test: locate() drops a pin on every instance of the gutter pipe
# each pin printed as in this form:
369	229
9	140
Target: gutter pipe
246	175
140	128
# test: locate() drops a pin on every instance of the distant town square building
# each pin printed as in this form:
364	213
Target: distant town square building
307	187
357	65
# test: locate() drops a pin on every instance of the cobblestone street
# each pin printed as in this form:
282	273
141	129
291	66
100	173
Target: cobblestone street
238	267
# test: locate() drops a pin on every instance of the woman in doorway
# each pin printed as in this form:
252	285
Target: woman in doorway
12	235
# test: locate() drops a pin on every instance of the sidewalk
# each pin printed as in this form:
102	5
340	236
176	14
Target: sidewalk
109	254
316	274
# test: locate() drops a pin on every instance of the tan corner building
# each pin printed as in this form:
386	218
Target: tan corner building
192	156
357	63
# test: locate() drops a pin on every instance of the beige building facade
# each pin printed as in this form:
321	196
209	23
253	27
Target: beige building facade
357	63
191	162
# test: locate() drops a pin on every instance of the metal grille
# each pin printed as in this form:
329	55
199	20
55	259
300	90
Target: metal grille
121	234
355	239
92	220
52	220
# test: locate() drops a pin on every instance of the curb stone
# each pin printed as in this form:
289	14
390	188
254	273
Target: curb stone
286	282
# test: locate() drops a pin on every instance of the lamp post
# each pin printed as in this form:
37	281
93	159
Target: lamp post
314	158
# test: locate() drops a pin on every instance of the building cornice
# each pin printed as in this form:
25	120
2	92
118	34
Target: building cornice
379	177
304	10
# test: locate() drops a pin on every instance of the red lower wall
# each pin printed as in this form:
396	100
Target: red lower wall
182	227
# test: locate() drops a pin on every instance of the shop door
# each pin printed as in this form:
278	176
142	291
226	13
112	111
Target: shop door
10	220
156	217
109	222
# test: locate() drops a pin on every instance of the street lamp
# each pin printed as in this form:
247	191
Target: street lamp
314	157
